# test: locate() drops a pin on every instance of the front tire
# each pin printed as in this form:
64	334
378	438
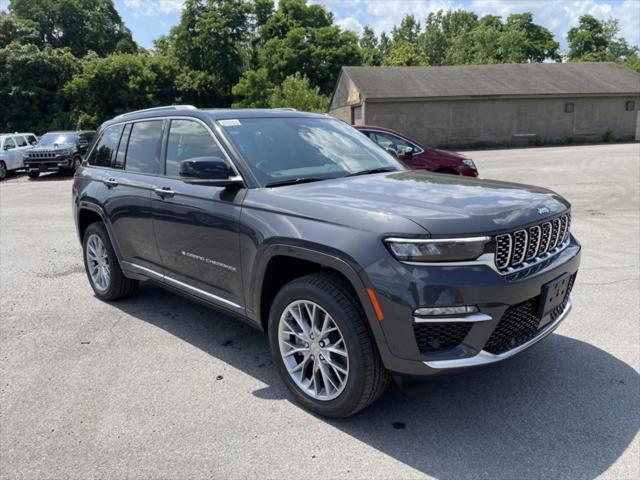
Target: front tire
322	347
102	267
3	170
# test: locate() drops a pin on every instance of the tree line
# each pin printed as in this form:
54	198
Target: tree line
74	64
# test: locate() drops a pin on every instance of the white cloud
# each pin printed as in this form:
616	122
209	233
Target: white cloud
151	8
350	23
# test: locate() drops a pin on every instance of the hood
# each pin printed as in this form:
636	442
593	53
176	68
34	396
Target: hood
52	148
441	204
449	153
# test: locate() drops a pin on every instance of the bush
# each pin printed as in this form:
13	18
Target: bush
608	136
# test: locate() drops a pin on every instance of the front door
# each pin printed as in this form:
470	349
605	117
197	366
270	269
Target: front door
196	226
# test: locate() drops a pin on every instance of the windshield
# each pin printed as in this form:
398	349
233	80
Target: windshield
279	150
57	138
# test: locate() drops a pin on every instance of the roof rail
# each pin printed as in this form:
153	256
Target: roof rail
153	109
288	109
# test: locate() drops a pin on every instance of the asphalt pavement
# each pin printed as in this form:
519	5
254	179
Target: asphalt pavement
159	387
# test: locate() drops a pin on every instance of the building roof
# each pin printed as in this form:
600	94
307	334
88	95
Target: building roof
526	79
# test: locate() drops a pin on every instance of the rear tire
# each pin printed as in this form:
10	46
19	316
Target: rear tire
3	171
33	173
102	267
339	394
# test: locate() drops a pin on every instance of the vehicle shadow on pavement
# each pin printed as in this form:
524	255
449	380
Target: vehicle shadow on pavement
563	409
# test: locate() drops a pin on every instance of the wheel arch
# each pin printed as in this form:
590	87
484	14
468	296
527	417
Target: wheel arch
88	213
279	259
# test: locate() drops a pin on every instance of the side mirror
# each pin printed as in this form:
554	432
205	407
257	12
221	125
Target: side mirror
212	171
83	143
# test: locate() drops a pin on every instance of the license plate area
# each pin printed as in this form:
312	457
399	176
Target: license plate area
552	296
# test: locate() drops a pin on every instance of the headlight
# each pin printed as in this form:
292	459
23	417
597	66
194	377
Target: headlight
469	162
437	249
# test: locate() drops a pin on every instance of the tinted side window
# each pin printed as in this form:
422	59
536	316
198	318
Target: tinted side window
386	140
188	139
122	149
102	155
32	140
20	141
143	152
9	143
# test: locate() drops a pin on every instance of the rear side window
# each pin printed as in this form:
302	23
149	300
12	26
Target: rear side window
21	141
143	151
32	140
105	150
188	139
9	143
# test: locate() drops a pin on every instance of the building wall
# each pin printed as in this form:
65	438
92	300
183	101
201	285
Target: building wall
456	123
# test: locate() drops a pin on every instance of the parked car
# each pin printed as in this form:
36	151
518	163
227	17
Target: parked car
12	149
417	156
58	151
358	268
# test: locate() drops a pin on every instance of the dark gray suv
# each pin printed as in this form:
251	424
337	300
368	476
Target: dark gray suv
358	269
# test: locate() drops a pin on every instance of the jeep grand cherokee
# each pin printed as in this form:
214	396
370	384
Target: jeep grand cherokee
357	268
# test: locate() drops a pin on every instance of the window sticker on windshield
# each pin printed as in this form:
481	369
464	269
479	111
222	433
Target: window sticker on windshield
231	122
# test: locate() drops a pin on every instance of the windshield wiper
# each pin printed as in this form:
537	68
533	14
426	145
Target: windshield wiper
373	170
293	181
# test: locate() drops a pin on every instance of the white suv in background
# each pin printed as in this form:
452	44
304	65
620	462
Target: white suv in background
12	149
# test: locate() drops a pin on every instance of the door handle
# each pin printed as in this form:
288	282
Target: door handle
111	182
165	192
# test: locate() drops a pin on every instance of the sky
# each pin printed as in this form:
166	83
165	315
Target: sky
149	19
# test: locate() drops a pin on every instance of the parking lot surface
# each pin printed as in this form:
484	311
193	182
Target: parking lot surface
159	387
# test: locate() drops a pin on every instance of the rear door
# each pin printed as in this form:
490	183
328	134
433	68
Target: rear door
130	181
197	226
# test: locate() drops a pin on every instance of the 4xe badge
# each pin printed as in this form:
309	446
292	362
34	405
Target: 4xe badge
543	210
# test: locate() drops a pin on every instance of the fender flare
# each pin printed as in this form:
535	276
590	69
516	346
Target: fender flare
342	264
86	205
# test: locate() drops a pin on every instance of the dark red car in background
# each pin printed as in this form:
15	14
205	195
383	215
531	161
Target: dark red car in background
418	156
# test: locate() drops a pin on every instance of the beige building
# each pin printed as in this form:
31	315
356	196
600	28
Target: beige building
476	105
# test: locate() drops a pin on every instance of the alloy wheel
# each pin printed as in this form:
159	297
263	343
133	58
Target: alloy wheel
98	263
313	350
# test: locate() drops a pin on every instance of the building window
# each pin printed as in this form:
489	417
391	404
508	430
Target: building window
568	107
630	106
356	115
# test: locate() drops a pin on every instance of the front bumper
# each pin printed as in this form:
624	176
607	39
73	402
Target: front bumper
52	165
498	298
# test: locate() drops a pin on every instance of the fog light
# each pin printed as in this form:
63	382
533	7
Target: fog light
434	311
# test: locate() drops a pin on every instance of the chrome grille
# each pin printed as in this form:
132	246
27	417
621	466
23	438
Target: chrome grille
519	247
534	242
545	239
527	245
503	250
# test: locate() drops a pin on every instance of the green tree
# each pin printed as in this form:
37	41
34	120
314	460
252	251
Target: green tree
297	92
371	53
594	40
212	37
486	38
13	29
447	38
120	83
524	41
253	90
408	31
31	87
404	54
81	25
317	53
